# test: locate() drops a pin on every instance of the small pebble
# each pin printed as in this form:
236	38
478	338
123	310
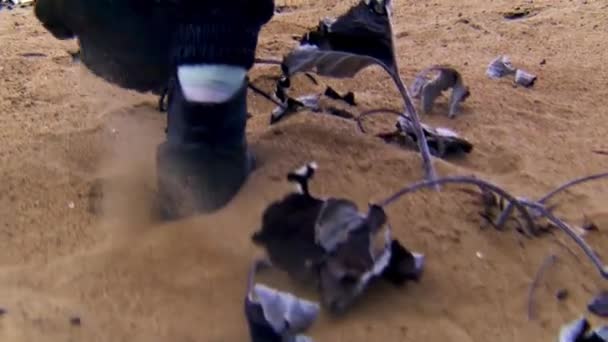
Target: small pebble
71	205
479	255
75	321
2	312
562	294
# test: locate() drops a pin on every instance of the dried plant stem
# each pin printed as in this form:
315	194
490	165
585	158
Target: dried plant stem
531	230
595	259
572	183
429	169
506	213
520	205
550	260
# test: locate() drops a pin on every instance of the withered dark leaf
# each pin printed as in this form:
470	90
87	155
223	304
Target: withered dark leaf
338	218
359	31
274	315
430	83
292	106
579	330
403	265
442	142
599	305
589	225
325	241
336	64
343	46
501	66
348	97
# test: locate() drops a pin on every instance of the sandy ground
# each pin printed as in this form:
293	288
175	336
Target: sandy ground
76	156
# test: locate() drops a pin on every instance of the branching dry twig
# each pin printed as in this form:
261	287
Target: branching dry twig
509	209
525	207
466	180
550	260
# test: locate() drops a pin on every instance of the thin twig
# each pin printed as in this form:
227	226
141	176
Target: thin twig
595	259
605	153
429	169
571	184
531	230
509	209
543	267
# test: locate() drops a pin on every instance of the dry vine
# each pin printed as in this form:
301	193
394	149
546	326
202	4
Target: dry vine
529	210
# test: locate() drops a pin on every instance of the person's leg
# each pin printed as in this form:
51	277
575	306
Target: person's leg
205	161
206	47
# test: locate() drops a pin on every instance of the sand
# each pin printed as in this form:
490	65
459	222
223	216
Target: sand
77	239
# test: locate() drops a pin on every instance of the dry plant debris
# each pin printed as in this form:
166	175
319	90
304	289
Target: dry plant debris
599	305
328	243
274	315
340	48
579	330
501	66
431	82
442	142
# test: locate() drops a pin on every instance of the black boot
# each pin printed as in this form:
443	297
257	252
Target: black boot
140	44
205	160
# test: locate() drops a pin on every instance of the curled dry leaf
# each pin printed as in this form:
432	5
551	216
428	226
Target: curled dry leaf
442	142
378	6
500	67
599	305
433	81
348	98
359	31
342	47
274	315
328	242
524	78
579	330
292	106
